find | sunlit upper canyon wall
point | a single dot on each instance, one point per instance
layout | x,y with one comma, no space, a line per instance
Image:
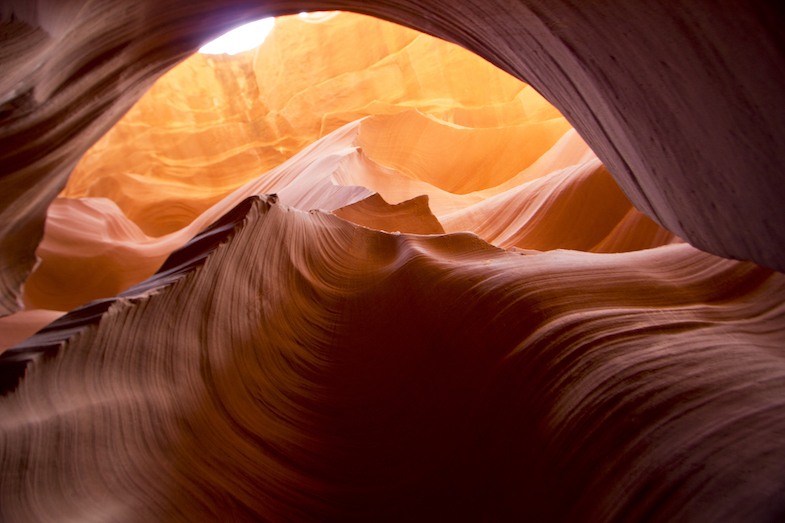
443,123
360,274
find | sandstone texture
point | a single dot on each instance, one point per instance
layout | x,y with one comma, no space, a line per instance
361,274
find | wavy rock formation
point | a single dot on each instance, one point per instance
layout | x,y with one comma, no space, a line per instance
216,122
326,371
92,250
382,281
683,102
448,125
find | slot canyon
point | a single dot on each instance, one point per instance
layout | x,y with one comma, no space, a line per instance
482,260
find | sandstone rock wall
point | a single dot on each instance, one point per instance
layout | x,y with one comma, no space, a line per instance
431,302
682,101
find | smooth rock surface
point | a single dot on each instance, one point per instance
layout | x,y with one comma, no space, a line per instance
682,101
431,302
291,366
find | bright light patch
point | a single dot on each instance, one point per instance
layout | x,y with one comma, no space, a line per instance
316,17
240,38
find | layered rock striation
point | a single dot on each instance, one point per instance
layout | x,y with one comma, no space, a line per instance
289,365
683,102
381,280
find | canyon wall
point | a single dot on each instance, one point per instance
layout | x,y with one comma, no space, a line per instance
683,102
348,277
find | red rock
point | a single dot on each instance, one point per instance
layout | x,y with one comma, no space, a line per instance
328,352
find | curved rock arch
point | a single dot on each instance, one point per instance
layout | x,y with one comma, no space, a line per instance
683,102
